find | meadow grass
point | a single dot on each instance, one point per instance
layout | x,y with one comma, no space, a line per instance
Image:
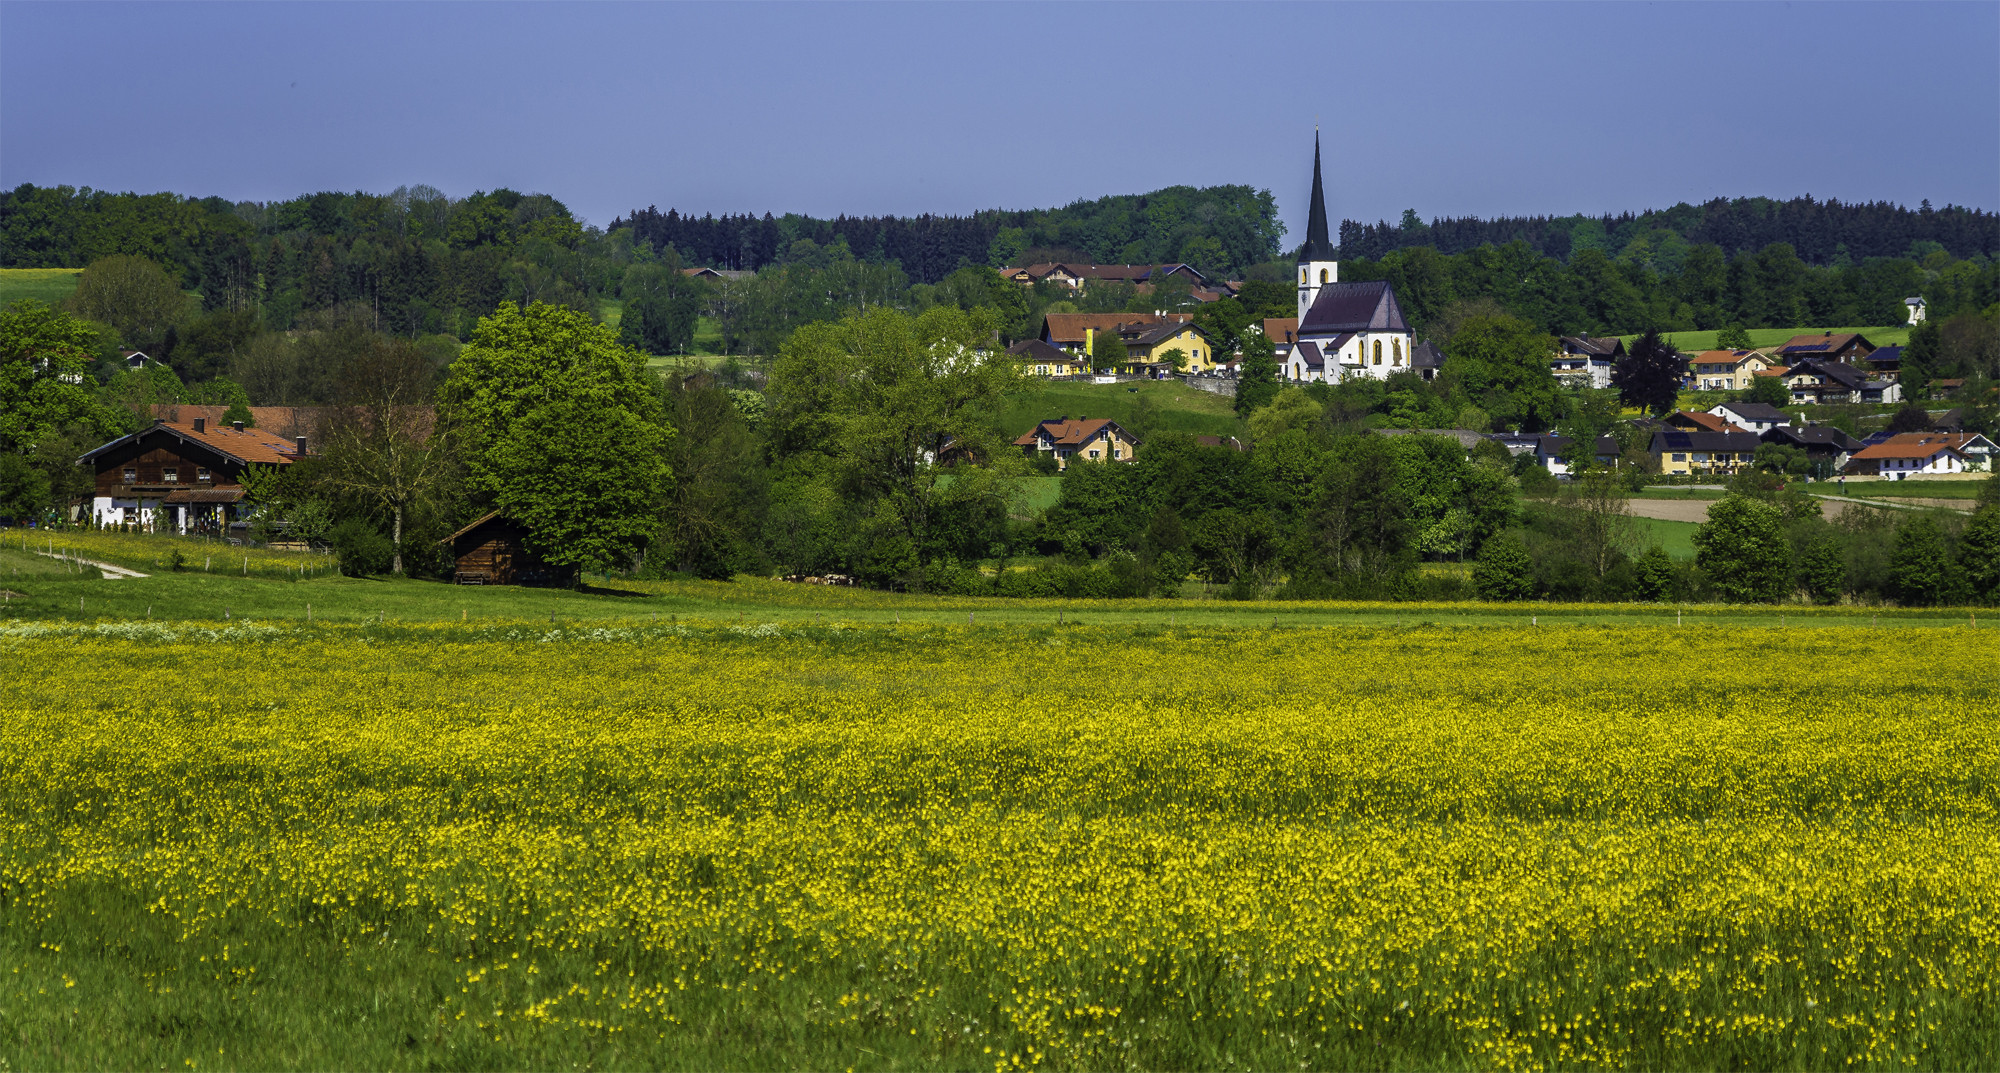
1695,342
1175,407
1096,846
1676,537
50,285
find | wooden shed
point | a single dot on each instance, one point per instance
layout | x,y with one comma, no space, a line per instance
493,551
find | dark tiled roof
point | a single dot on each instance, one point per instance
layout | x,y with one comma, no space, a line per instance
1800,346
1673,439
1355,307
1812,436
1426,355
1309,353
1839,372
1036,350
1756,411
1886,355
1611,347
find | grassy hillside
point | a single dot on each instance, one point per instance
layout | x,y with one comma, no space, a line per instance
1153,406
1693,342
1676,537
49,285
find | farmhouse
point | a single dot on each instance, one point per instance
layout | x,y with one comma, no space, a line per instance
1098,440
1679,452
1896,461
1585,361
1728,370
1847,347
181,477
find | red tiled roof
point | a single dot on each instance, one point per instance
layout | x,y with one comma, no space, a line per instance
1281,329
1892,449
1706,422
1069,327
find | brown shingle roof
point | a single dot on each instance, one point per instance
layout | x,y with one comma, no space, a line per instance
1892,449
1702,421
1065,432
1281,329
1060,328
1800,346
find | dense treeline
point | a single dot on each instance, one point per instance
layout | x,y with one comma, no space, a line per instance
1829,233
1676,287
1222,230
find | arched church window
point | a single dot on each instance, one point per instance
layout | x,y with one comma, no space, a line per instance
1322,275
1378,351
1302,276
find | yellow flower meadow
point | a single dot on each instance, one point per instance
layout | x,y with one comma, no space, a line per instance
1008,847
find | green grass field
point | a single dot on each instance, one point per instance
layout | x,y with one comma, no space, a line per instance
1676,537
1694,342
49,285
1919,489
1175,407
277,591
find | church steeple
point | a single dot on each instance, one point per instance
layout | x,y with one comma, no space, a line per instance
1317,268
1317,247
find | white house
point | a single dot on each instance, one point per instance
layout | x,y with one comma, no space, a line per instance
1758,417
1916,308
1896,461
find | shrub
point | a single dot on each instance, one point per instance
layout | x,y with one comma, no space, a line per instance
362,548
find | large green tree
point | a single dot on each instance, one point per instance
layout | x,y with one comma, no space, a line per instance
561,430
1502,364
135,296
1743,550
898,410
380,442
1257,380
45,381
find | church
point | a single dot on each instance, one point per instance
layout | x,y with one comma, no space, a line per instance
1345,329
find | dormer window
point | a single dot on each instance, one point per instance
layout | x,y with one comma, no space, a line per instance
170,475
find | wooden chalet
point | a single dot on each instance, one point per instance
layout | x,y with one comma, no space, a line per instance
175,477
493,550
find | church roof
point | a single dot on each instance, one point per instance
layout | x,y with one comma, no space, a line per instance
1317,247
1355,307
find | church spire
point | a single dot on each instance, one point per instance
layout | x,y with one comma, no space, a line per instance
1317,246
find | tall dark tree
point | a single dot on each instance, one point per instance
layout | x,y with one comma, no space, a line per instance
1257,384
1649,376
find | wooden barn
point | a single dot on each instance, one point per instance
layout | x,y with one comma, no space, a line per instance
493,551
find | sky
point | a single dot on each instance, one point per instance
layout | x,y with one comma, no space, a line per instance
1452,109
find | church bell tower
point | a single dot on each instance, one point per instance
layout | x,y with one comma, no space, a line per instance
1316,266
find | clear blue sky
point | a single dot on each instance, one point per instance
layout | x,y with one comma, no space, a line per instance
1453,109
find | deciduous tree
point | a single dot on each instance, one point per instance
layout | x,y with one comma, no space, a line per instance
1742,548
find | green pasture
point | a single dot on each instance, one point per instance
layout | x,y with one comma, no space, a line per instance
193,596
1676,537
1918,489
1692,342
49,285
1170,405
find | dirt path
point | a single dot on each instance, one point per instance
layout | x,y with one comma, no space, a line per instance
111,573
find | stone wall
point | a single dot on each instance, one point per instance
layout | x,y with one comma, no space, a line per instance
1213,384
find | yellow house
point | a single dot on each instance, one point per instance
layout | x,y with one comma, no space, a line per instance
1040,359
1146,346
1728,370
1096,440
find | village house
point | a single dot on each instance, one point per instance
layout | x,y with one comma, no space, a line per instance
1041,359
1680,453
1897,461
1696,421
177,477
1727,370
1826,446
1098,440
1816,381
1551,451
1850,348
1885,362
1758,417
1585,361
1147,338
1078,277
1916,308
1881,392
1978,450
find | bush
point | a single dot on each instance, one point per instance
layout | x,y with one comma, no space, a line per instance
362,548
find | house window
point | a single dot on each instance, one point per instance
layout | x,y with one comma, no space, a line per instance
1093,452
131,475
202,474
170,474
1680,457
